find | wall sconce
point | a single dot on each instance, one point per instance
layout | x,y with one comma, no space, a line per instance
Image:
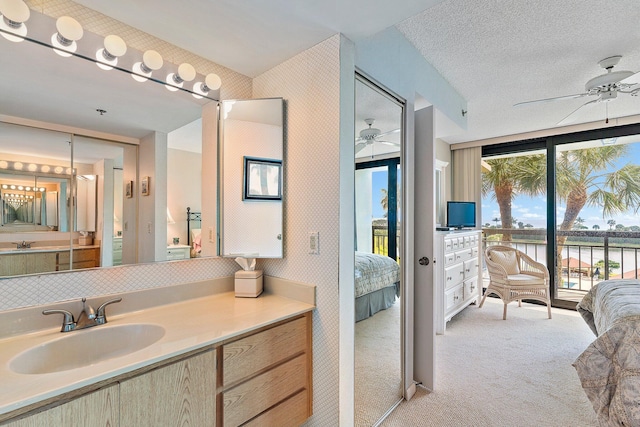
69,31
14,14
114,47
211,82
151,61
185,73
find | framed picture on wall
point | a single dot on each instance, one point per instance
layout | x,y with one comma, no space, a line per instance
128,190
145,186
262,179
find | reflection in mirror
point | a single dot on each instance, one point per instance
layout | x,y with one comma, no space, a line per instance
378,282
251,226
62,201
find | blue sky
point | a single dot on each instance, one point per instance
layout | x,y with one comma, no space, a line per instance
379,181
534,210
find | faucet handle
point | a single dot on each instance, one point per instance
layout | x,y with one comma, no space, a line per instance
68,324
101,317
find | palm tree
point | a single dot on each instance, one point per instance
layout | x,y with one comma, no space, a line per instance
611,223
384,201
596,227
510,176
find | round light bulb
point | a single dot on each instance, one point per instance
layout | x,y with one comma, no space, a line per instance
151,61
114,47
69,31
58,169
32,167
18,166
45,168
185,73
14,13
211,82
4,164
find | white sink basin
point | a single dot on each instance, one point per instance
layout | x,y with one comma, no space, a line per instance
86,347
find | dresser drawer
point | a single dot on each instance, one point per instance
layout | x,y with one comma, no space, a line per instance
449,258
463,255
453,297
471,288
448,245
253,397
453,275
471,268
292,412
245,357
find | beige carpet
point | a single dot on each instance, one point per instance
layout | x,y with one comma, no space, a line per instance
514,372
377,365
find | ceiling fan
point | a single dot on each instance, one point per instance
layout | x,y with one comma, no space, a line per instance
604,87
370,135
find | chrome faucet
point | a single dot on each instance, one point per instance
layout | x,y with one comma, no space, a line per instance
87,318
23,245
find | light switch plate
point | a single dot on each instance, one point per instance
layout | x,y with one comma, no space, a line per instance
314,242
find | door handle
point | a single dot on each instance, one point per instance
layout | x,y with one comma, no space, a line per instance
423,261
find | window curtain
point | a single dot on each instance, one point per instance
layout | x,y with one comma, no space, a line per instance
467,177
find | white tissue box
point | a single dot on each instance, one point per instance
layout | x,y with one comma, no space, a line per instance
248,284
85,240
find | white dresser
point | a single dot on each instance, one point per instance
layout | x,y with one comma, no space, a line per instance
117,250
457,264
178,252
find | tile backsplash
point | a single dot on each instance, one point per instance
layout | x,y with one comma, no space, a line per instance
26,291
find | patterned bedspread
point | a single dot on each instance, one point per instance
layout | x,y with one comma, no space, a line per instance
374,272
609,369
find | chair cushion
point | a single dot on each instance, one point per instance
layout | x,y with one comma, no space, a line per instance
522,279
507,259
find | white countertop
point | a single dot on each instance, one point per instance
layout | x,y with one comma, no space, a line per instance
189,325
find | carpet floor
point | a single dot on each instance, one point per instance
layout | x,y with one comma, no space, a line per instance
515,372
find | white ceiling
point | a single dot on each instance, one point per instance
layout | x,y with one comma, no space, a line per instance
495,53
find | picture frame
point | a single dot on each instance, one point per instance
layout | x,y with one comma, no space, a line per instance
128,189
262,179
145,186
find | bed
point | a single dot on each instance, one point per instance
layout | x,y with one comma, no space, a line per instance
194,232
609,369
377,283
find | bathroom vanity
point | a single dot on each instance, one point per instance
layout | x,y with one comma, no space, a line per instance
221,361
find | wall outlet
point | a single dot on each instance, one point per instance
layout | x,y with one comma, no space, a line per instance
211,235
314,242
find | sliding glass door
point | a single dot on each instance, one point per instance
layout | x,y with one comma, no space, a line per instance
588,184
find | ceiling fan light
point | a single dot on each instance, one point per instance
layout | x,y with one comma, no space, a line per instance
69,31
14,14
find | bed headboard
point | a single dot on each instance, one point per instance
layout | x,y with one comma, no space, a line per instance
193,222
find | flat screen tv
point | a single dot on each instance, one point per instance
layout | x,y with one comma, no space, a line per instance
461,214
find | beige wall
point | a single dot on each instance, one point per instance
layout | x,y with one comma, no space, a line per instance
310,84
184,181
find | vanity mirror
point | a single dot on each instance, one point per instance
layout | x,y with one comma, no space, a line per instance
110,126
250,180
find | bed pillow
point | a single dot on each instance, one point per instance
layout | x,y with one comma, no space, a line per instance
507,259
196,241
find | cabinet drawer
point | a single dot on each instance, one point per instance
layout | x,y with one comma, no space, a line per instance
471,268
463,255
453,297
466,242
475,251
260,393
292,412
453,275
449,258
471,288
455,243
79,255
245,357
448,245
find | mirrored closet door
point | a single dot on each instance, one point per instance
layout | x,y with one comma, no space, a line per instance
378,280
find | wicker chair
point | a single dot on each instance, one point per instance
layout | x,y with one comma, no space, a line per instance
514,276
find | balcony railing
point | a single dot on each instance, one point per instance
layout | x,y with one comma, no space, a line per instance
587,257
380,239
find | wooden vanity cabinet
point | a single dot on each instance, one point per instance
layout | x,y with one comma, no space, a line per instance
266,376
82,258
261,378
179,394
96,409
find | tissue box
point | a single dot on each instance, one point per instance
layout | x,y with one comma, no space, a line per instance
248,284
85,240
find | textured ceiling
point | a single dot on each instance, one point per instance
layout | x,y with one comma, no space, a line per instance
500,52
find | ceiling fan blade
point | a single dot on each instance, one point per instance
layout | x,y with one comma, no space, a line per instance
395,144
633,79
360,146
575,113
388,132
557,98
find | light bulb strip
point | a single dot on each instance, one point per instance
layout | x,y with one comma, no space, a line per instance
115,67
19,167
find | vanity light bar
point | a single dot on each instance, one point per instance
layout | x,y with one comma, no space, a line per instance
34,167
13,187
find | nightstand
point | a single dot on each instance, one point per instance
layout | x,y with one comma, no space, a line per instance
178,252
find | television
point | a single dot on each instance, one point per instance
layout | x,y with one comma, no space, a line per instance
461,214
